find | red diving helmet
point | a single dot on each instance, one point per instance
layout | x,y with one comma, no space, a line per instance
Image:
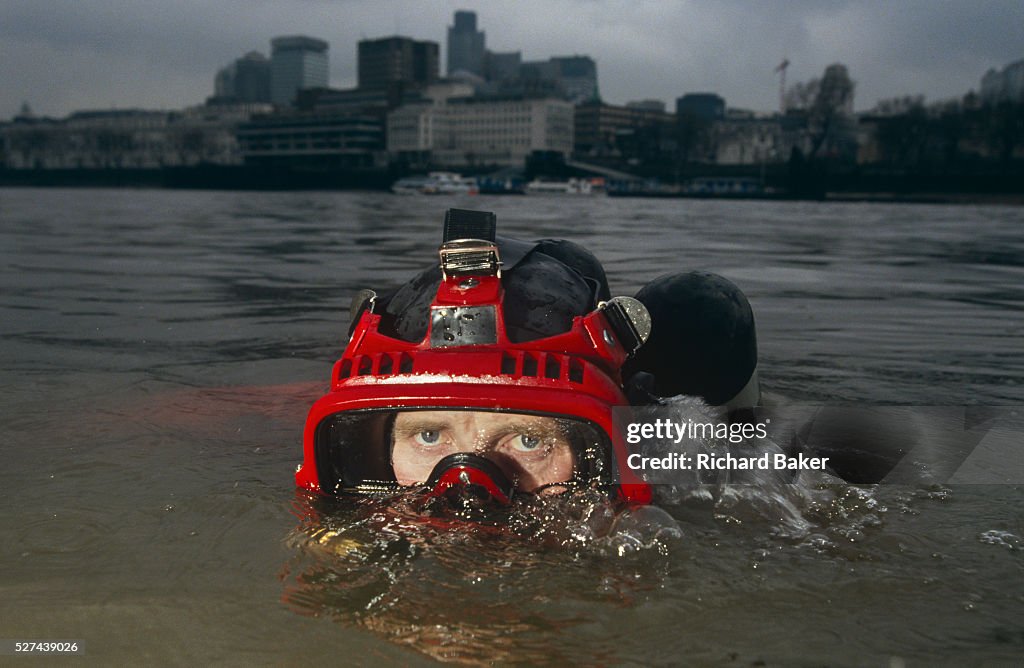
466,408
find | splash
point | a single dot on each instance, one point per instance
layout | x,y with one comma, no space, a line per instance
462,586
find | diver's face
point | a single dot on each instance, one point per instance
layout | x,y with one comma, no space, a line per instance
534,451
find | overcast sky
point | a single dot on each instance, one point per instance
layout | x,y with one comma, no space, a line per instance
65,55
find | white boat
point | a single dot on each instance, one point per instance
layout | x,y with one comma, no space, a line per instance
410,185
436,183
570,187
450,183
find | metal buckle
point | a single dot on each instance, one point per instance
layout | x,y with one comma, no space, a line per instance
462,257
629,320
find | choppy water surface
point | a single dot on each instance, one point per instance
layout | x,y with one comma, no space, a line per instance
160,349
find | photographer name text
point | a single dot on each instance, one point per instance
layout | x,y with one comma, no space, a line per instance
677,461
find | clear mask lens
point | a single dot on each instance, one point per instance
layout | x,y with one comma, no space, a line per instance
402,447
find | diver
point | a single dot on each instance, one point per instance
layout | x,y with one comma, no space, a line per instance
499,370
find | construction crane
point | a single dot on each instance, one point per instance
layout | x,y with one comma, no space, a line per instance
781,69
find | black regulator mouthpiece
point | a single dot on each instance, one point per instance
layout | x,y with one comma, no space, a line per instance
469,476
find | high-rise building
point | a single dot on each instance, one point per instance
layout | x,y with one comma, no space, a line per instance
224,83
702,106
247,80
1004,85
252,78
296,62
502,66
578,75
401,61
465,45
574,77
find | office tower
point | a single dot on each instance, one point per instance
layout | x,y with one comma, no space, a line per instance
246,80
296,62
578,76
1002,85
252,78
224,83
702,106
391,61
502,66
571,77
465,45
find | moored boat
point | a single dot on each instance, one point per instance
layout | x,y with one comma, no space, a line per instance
436,183
573,186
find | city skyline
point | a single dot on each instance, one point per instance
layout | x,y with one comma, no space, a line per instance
61,57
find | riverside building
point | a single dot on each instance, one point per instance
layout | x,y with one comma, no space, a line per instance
470,132
125,139
319,140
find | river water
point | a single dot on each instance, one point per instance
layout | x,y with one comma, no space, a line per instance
160,349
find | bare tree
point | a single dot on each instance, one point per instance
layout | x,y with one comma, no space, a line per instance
902,104
1004,129
827,103
800,95
832,105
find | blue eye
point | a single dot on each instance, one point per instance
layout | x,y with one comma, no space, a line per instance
428,437
525,443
